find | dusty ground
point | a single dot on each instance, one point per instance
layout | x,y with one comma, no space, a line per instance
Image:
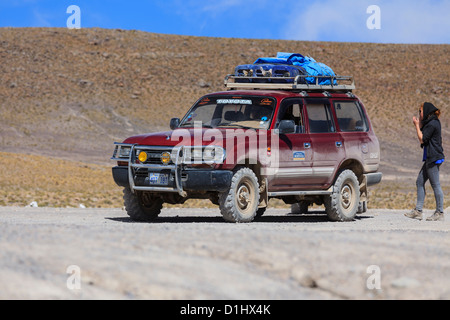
67,95
194,254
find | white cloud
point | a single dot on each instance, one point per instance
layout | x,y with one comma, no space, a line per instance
41,19
220,6
221,17
402,21
18,3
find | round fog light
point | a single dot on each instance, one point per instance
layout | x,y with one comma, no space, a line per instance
142,156
165,157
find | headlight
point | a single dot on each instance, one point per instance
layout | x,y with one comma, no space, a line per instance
198,155
209,153
121,152
124,152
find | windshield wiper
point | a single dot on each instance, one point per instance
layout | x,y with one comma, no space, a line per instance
191,125
234,125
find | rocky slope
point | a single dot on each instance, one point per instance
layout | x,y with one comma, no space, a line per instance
72,93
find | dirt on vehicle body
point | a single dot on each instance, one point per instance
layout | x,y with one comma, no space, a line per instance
300,143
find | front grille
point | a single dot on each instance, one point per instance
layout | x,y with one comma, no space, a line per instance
154,157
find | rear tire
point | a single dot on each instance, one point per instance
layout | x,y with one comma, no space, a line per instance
240,202
362,208
260,212
343,203
300,207
141,207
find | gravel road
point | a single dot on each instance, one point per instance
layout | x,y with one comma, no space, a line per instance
194,254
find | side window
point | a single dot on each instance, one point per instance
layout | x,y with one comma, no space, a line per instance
292,110
320,118
350,117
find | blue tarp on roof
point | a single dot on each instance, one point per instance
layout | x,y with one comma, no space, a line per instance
311,66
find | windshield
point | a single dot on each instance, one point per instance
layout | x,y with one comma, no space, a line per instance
231,111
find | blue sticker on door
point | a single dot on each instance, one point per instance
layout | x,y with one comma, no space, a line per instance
299,156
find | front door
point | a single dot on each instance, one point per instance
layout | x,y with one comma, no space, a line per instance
294,171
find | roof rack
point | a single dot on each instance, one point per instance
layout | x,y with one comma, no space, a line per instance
337,83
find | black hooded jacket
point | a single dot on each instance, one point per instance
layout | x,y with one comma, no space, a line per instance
431,131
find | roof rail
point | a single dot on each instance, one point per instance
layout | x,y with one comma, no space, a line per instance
336,83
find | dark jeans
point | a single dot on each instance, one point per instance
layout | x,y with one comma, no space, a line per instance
429,171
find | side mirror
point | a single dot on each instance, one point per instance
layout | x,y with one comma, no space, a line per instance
286,126
174,123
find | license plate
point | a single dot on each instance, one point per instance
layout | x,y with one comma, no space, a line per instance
158,178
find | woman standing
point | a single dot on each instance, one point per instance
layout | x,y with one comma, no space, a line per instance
428,129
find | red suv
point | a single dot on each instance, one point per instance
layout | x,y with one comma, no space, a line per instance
297,142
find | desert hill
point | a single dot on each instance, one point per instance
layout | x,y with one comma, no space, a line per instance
71,93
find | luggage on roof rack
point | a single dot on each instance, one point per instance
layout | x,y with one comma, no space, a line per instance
335,83
260,73
284,68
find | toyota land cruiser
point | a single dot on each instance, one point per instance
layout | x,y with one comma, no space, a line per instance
302,143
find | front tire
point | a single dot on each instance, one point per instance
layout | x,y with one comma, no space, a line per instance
240,202
343,203
140,206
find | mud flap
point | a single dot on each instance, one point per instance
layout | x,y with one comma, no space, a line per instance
263,194
364,196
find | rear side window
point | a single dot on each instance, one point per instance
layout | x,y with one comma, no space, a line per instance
350,117
320,118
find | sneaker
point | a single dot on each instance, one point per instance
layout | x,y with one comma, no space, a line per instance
436,216
414,214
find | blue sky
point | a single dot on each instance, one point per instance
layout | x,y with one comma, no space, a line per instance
401,21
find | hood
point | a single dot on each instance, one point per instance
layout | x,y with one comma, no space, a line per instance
428,108
157,139
182,136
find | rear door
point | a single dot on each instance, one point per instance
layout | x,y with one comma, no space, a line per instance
354,127
326,142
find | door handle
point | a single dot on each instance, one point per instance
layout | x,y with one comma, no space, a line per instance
307,145
338,144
